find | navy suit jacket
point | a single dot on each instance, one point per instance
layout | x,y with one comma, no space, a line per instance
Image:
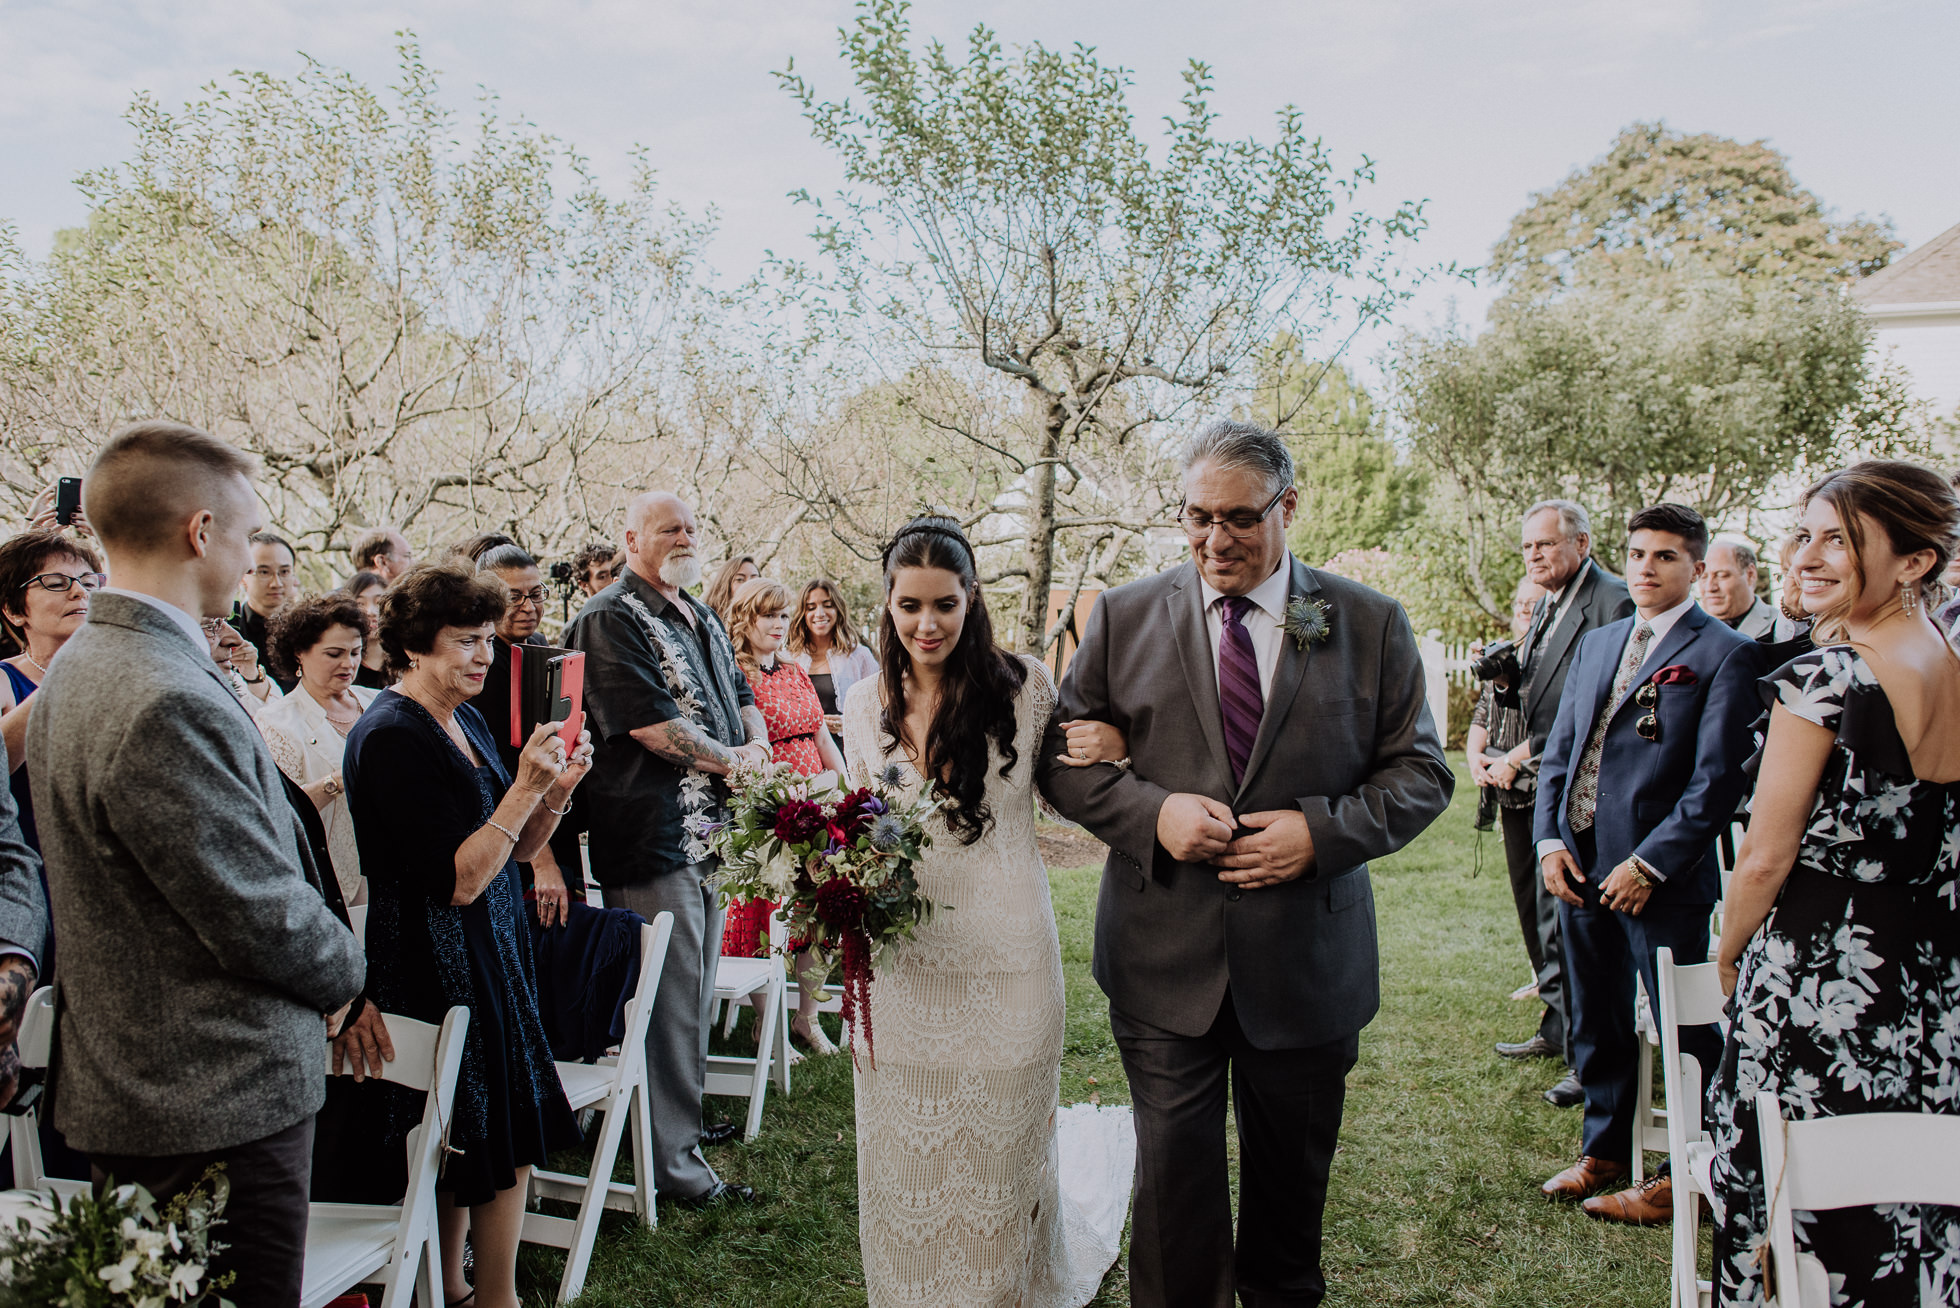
1666,800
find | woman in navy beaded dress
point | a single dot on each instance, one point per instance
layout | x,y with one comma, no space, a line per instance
441,828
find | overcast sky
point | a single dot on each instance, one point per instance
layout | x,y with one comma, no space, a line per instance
1470,104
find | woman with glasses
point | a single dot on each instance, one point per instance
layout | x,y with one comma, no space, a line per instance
523,581
45,580
318,641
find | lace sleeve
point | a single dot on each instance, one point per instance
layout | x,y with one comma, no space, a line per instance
285,752
861,754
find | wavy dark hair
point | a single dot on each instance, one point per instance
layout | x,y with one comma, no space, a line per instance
429,597
976,693
300,626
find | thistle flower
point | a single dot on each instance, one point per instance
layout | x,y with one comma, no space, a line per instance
892,774
886,831
1306,621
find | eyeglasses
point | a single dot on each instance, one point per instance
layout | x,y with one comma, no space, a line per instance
1649,726
283,574
1198,524
59,583
533,596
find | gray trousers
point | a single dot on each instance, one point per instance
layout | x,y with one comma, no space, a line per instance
1538,921
677,1036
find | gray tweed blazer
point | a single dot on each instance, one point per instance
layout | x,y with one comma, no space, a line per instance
1346,738
197,954
23,909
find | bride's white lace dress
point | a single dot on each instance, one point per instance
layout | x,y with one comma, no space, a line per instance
966,1195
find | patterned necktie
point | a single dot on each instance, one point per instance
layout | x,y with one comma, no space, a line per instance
1239,696
1585,781
1541,625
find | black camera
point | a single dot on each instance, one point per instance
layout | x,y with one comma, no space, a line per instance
1498,662
562,574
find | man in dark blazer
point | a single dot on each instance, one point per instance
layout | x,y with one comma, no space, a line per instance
1580,596
1642,772
1279,740
201,969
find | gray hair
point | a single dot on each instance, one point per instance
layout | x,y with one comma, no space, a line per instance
1745,553
1572,519
1230,444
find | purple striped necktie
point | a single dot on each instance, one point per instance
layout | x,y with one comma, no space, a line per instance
1239,697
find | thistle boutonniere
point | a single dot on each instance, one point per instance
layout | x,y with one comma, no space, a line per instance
1306,621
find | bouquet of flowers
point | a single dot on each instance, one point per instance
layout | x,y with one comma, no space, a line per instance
840,862
120,1251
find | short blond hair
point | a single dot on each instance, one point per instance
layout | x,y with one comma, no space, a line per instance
150,476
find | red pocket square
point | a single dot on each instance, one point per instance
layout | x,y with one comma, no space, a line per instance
1675,674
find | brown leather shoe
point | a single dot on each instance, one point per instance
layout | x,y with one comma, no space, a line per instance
1586,1177
1651,1203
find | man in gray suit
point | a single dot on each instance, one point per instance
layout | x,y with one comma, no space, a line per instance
1279,739
201,969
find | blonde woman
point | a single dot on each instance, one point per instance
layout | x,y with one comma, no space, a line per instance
758,623
825,644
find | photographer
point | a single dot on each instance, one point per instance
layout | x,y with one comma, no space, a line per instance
1497,726
1580,596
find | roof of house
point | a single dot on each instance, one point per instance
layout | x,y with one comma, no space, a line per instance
1929,274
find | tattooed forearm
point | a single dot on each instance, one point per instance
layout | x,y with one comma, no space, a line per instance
757,728
17,978
684,744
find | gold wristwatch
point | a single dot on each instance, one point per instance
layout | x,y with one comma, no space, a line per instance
1638,871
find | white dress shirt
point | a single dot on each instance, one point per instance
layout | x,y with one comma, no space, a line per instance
1661,624
1264,621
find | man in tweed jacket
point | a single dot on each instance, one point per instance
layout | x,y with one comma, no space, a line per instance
200,967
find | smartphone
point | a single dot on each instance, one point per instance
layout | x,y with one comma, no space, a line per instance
67,500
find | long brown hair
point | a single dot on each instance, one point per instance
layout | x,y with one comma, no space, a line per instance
1914,506
721,587
977,692
843,636
763,595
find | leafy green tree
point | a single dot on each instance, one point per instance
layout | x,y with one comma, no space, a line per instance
1666,201
1716,394
1357,490
1004,220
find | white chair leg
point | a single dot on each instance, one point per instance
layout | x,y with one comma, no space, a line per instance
783,1049
1643,1104
585,1229
766,1021
640,1117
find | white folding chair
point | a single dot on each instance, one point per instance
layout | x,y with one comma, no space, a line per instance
1649,1122
24,1131
395,1245
759,983
357,921
616,1087
1691,995
1839,1162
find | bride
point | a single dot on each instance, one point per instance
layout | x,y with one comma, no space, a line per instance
972,1189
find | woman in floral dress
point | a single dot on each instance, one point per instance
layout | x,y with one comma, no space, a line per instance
1847,999
758,623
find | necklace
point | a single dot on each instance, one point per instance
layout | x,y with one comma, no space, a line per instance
36,662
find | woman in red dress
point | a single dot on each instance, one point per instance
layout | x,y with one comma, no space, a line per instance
758,623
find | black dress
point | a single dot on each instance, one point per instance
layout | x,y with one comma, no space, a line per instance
415,799
1849,997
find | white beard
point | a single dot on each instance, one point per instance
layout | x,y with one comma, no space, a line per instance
680,571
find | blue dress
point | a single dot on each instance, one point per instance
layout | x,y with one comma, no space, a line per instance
415,798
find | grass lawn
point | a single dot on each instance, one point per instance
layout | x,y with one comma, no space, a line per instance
1435,1189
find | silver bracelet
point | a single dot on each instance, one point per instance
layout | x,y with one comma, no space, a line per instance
508,833
555,812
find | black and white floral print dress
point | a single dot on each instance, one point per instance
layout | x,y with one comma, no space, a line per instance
1848,999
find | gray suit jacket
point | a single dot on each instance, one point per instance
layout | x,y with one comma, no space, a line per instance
23,908
1602,598
197,953
1346,738
1758,622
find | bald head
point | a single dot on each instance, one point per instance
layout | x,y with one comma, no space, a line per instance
660,540
152,478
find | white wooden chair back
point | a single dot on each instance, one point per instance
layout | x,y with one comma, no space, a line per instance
353,1244
617,1088
1837,1162
1691,995
36,1049
357,921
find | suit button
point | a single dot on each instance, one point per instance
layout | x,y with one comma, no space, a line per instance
1236,895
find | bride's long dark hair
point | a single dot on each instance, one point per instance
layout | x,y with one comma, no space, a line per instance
976,691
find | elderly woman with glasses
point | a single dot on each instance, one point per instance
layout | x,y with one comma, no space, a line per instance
523,582
46,577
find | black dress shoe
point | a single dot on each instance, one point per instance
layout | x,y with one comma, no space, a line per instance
1567,1093
722,1195
1536,1047
720,1133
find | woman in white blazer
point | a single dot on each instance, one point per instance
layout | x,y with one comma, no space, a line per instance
825,643
318,640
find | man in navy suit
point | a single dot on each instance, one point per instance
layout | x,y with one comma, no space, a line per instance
1642,772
